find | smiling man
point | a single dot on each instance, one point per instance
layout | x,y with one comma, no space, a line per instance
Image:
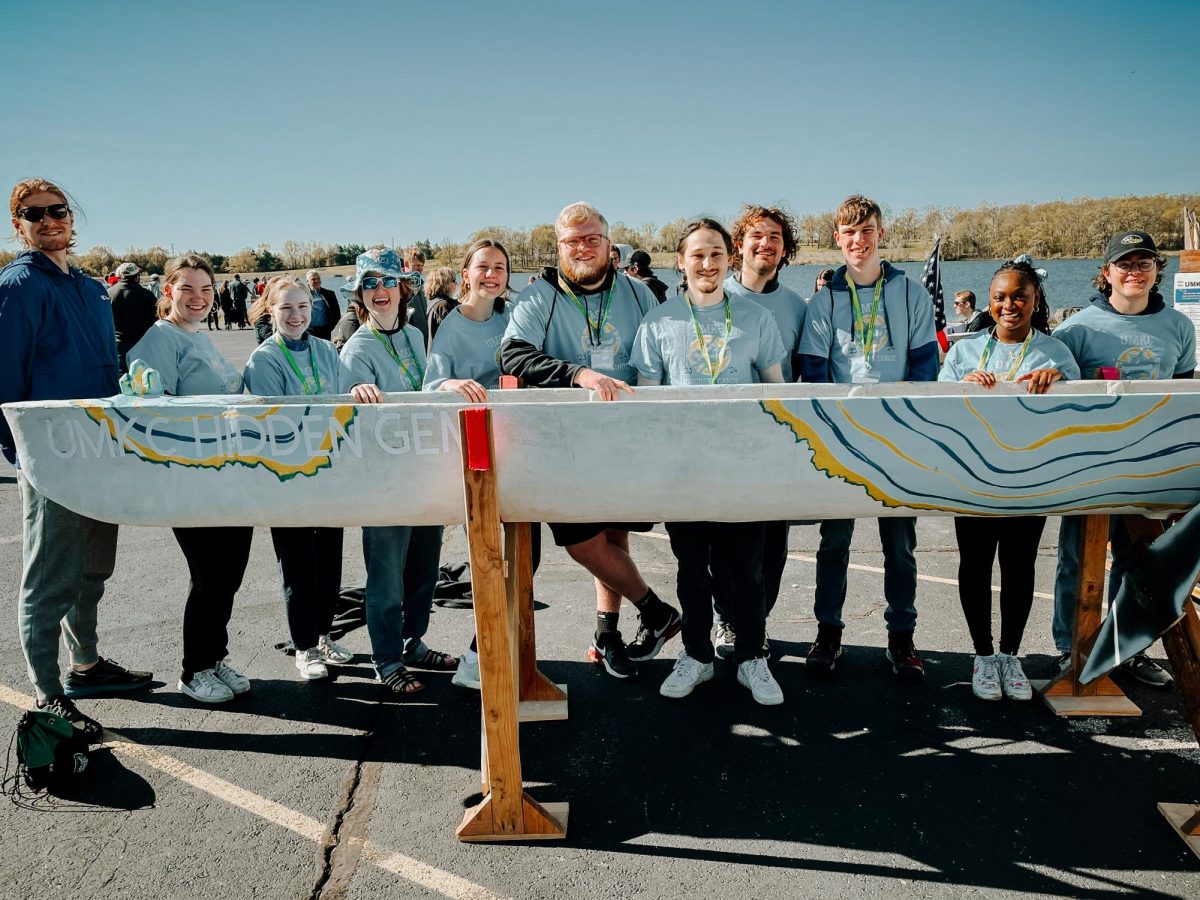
870,324
57,342
574,327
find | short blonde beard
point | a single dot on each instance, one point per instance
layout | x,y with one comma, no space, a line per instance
585,273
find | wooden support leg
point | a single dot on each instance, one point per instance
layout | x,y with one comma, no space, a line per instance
1065,695
1182,643
540,698
506,811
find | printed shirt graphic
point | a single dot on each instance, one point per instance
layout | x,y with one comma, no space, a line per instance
667,350
789,310
1044,352
1154,346
566,335
269,374
365,360
187,361
464,348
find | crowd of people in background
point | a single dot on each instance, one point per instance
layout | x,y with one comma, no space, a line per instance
600,320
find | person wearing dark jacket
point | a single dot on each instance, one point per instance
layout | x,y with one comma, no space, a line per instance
974,320
134,310
239,292
574,326
325,309
57,342
639,268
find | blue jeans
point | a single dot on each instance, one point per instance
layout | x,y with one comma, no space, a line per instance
402,572
1066,574
899,539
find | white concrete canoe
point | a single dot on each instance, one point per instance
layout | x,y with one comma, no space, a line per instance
734,453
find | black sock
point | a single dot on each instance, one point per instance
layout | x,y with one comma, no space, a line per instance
606,622
653,611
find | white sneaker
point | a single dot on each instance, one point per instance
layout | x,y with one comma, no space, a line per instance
206,687
310,665
233,679
756,675
1012,678
725,639
467,673
985,678
332,652
685,676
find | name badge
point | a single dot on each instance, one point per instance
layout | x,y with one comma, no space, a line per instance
603,358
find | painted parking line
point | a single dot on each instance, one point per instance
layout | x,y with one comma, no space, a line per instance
857,567
445,883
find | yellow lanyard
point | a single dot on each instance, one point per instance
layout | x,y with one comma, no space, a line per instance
713,370
1016,366
415,382
860,326
605,305
312,360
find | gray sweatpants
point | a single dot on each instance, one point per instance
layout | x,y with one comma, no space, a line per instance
67,558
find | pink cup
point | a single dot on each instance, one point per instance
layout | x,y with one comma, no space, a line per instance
1110,373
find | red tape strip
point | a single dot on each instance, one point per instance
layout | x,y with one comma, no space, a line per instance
478,455
508,382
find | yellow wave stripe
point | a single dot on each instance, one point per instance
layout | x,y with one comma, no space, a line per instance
141,406
1069,431
344,415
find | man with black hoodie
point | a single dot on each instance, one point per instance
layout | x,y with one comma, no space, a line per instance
573,327
134,310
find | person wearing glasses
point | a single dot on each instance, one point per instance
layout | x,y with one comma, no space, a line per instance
57,342
1128,332
710,335
388,354
973,320
574,326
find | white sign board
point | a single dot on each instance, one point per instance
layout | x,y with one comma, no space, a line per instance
1187,298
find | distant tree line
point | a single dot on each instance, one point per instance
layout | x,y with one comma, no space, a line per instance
1066,228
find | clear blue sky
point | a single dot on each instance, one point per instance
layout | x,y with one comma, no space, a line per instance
229,124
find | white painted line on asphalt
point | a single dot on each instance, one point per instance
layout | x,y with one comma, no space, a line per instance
427,876
857,567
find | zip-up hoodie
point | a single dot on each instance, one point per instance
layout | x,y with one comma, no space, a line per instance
904,344
56,336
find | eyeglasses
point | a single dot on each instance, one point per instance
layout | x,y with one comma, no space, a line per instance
370,282
1135,265
58,211
592,241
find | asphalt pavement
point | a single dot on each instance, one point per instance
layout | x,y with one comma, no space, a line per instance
855,786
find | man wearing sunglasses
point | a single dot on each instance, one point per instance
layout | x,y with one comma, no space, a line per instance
573,326
57,342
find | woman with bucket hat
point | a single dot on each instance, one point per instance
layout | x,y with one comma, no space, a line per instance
388,354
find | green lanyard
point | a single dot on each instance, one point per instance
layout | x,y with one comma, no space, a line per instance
605,305
987,352
312,359
713,371
415,382
860,326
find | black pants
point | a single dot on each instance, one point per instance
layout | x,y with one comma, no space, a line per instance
978,540
216,559
729,552
774,558
310,568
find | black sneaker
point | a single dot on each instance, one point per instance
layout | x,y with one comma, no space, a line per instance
65,709
902,654
1147,671
609,649
104,677
649,641
825,650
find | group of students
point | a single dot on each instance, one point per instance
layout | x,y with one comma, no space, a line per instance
584,323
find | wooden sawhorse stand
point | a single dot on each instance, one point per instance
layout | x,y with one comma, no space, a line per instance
1064,694
1182,643
512,688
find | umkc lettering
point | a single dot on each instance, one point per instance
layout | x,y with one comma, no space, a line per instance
235,436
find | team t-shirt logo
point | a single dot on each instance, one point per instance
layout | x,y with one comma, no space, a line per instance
610,338
718,353
1138,363
880,340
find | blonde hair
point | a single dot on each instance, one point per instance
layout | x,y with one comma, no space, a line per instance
575,213
174,270
29,187
275,288
439,283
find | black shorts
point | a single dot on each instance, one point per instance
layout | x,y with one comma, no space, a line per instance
567,534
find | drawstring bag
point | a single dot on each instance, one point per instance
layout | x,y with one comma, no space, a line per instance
50,752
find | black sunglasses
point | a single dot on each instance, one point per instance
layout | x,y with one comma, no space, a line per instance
370,282
58,211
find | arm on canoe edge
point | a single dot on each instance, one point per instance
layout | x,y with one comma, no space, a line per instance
534,367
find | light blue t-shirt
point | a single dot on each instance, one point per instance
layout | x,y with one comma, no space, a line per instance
464,348
1154,345
668,351
366,360
545,318
789,309
187,361
904,322
1044,353
270,374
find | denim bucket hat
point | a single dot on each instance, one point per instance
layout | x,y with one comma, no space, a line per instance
380,261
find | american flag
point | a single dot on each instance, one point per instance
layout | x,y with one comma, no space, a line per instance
931,280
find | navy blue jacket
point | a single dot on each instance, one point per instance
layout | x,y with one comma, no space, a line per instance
56,336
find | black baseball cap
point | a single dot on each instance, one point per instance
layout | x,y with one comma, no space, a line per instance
640,258
1129,242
